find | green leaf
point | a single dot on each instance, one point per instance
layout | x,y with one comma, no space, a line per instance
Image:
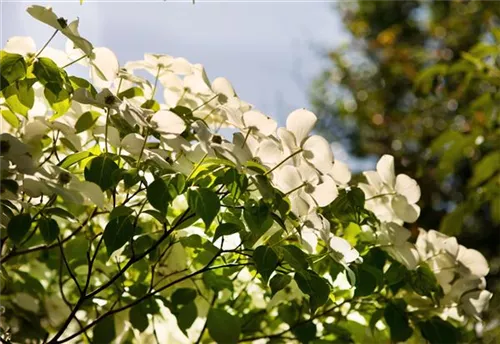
279,282
305,332
295,257
183,296
48,74
424,282
62,213
266,261
131,93
223,327
86,121
495,210
226,229
13,67
49,229
20,97
78,83
379,313
158,196
452,223
60,101
176,185
258,217
11,118
186,316
74,158
118,232
151,104
138,317
397,320
217,282
264,185
205,204
438,331
485,168
313,285
121,210
351,233
104,331
10,185
367,280
100,170
236,183
18,227
396,273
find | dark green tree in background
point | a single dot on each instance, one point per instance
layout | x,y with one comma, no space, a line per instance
421,80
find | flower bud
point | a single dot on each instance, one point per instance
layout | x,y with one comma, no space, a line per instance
64,178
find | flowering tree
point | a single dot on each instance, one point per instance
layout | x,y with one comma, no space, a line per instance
127,218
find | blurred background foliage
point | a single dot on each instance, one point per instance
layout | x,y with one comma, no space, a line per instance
421,80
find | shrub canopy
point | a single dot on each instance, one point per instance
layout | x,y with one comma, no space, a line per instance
127,217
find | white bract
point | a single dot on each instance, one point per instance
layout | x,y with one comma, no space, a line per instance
392,198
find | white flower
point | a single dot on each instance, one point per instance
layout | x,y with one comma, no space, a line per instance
392,198
394,240
340,172
104,67
161,65
255,121
305,188
341,246
13,150
296,140
475,302
460,271
168,124
26,46
52,179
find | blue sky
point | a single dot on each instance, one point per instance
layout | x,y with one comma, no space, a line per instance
270,51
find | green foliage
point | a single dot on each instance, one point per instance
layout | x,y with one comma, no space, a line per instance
265,260
13,68
436,330
223,327
205,204
313,285
102,170
424,88
124,219
18,227
397,320
118,231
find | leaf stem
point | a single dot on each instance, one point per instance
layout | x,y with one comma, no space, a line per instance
284,160
156,82
47,43
74,61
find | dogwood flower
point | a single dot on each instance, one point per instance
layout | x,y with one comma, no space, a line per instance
26,46
306,190
393,238
17,153
392,198
253,122
168,124
475,302
460,271
160,65
52,179
296,140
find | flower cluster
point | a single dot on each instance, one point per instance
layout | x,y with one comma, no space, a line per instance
280,198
